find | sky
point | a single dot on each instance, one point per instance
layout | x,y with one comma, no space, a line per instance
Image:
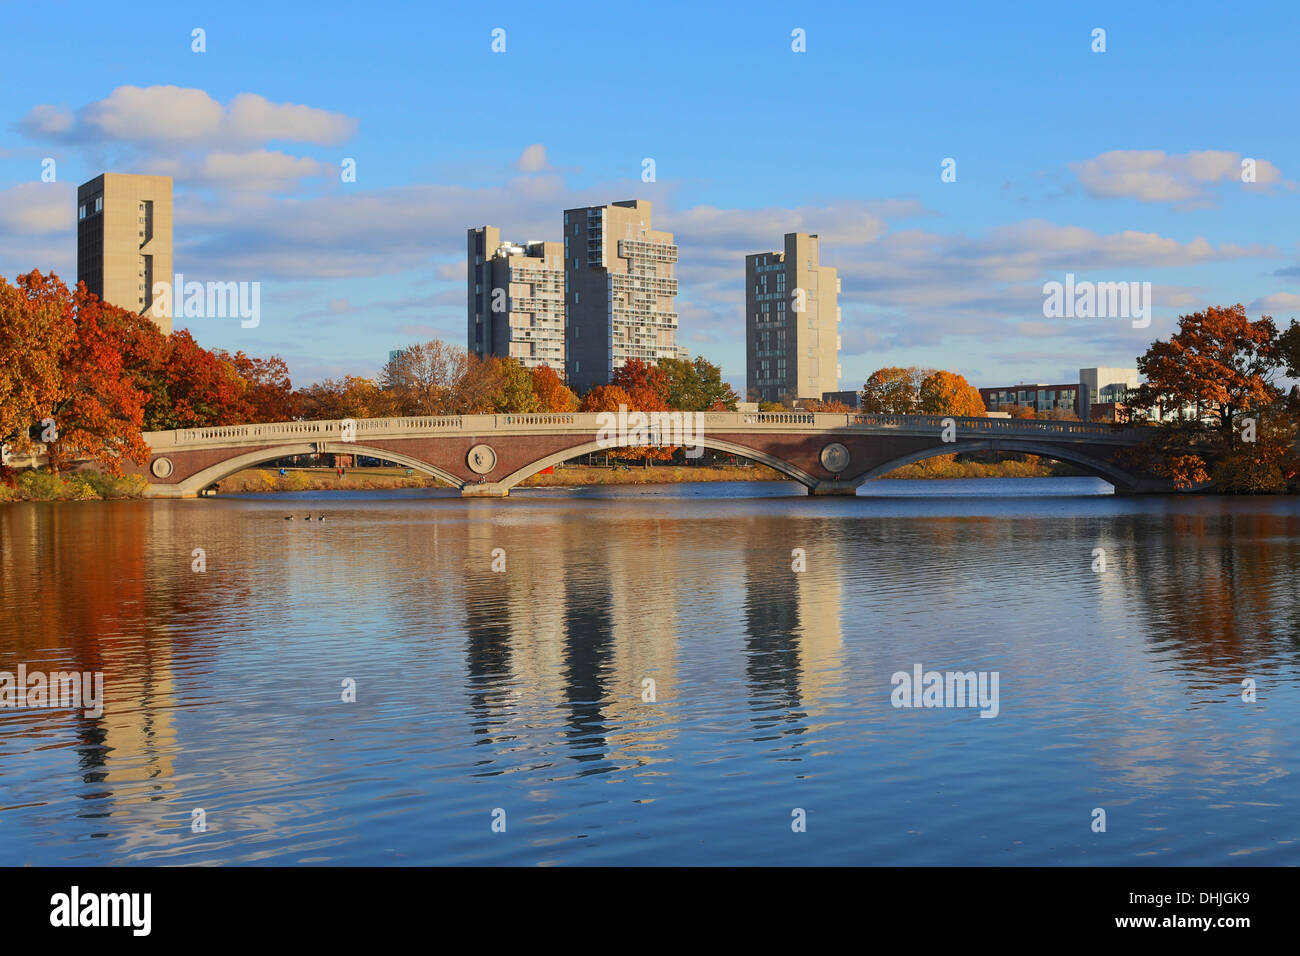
1122,165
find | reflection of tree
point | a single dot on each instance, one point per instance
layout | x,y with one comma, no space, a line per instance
1219,589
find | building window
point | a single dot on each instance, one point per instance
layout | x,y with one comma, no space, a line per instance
81,212
99,204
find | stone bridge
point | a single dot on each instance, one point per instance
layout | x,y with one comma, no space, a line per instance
828,453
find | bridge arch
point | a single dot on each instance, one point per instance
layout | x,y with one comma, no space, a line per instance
730,448
1121,479
224,469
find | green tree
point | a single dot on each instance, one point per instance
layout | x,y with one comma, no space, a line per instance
697,385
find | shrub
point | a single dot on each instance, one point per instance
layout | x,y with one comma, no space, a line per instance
109,486
295,481
40,486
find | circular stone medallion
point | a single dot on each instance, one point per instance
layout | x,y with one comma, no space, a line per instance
835,458
481,459
161,467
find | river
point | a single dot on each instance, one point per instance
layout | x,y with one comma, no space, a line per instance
501,654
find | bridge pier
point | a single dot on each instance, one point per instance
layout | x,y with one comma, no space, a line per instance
832,488
485,489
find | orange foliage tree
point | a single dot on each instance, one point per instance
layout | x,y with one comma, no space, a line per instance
35,330
98,412
947,393
552,394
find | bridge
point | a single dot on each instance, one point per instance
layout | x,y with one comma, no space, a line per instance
487,455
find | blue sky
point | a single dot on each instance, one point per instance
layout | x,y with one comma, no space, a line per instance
1121,165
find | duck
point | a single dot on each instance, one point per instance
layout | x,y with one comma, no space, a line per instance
288,517
308,518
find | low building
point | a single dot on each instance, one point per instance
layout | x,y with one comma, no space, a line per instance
851,398
1040,397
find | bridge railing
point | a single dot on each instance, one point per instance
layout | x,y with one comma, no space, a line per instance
971,423
333,430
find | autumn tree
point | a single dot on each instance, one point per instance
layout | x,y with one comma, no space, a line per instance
98,412
1218,412
947,393
35,331
423,379
605,398
268,394
894,391
1218,361
646,385
552,394
349,397
495,386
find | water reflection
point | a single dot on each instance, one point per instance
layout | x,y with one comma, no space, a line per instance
531,686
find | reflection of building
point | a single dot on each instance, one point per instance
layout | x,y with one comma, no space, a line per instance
793,631
619,290
124,240
791,309
516,299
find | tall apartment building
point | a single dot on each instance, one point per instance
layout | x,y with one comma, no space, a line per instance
792,341
516,299
619,290
124,241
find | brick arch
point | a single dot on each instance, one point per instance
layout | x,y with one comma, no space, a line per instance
731,448
195,483
1122,480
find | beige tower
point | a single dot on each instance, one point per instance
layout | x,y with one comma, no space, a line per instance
516,299
619,291
124,240
792,341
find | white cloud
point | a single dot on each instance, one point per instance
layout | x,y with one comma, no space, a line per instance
265,170
37,209
188,117
532,159
1152,175
1277,305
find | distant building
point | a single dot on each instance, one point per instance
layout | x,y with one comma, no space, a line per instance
516,299
124,241
1041,398
619,286
791,313
1100,386
1104,386
851,398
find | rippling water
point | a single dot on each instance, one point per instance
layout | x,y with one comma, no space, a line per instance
523,691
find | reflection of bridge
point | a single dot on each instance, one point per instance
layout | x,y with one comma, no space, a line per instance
490,454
